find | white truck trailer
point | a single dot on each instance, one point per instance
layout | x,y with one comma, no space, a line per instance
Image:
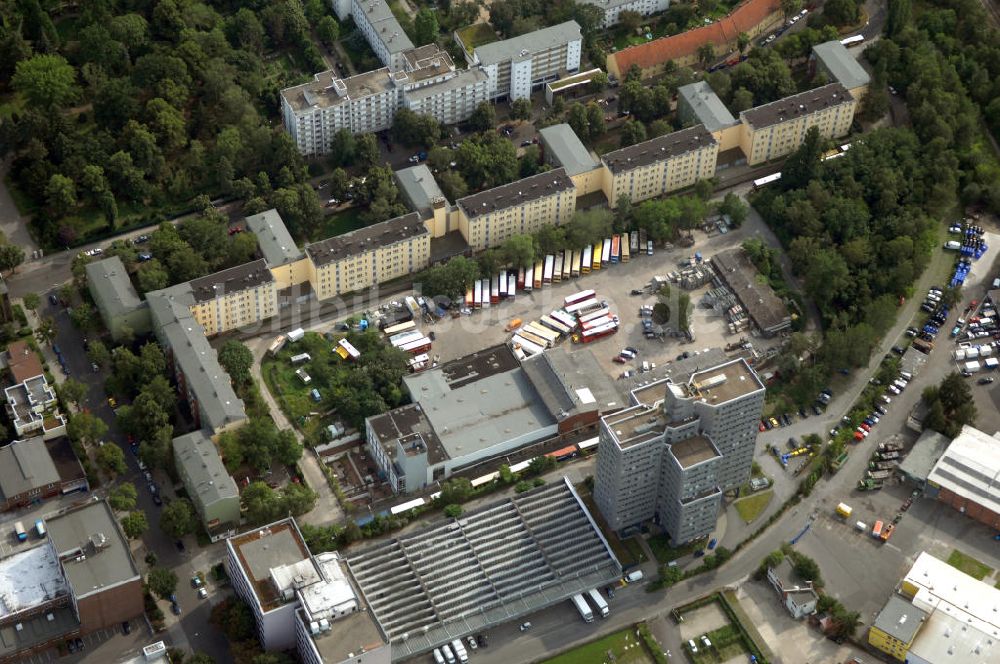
583,608
599,602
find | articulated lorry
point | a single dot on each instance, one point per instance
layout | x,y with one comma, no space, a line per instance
599,602
583,608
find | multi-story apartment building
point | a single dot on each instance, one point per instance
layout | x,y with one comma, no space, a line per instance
833,59
123,312
660,165
200,379
310,603
426,82
612,9
369,256
237,297
36,469
515,66
30,402
673,454
561,147
776,129
697,104
381,29
490,217
208,484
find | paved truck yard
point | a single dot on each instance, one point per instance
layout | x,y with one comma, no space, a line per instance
457,337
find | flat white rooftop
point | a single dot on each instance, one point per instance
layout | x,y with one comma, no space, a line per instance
28,579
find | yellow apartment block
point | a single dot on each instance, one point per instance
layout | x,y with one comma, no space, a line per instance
661,165
490,217
562,148
232,298
776,129
292,274
369,256
896,627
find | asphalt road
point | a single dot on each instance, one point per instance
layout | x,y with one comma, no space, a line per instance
190,630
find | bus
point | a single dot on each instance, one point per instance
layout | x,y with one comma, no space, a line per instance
853,41
417,346
577,307
563,453
393,330
574,266
766,180
588,336
526,333
600,321
517,341
520,278
877,529
585,260
22,534
557,267
511,285
555,324
470,299
606,251
563,318
495,289
478,296
634,242
594,315
347,350
589,443
503,283
407,506
616,248
536,328
598,249
405,338
537,281
568,264
550,264
486,291
579,297
625,249
529,278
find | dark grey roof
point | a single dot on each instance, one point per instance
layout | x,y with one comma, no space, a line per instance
419,188
563,146
841,64
900,619
493,565
407,424
177,329
706,106
572,383
209,480
111,287
764,307
517,193
528,44
926,452
798,105
92,532
366,239
26,465
275,242
659,149
233,280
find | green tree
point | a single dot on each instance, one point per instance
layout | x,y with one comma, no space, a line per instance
742,100
841,12
595,120
123,497
790,8
411,128
801,166
297,499
453,511
262,503
86,428
598,82
98,353
706,54
162,582
632,133
72,390
520,109
366,149
47,81
742,41
11,256
734,206
135,524
519,251
425,26
178,518
899,16
237,360
60,194
328,31
630,20
111,458
32,301
453,185
484,118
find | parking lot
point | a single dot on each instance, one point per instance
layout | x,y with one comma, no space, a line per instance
456,337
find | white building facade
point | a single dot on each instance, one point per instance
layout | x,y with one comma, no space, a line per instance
612,9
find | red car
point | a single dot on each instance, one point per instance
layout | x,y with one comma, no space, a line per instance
858,436
865,426
619,359
235,229
761,427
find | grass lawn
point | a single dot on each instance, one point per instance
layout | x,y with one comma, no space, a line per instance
969,565
665,553
338,223
476,34
625,645
361,54
727,644
288,388
751,507
628,551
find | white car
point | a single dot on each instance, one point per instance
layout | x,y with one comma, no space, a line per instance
692,645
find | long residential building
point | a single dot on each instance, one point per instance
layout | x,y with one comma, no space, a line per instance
660,165
121,309
778,128
377,23
212,491
611,9
752,17
368,256
237,297
685,441
490,217
517,65
425,81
